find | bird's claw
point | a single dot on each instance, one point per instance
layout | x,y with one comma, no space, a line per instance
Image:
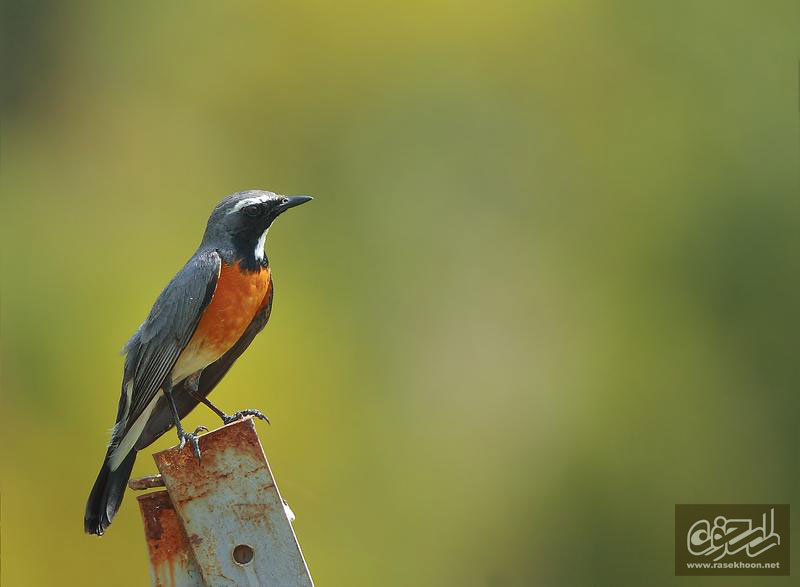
243,414
192,439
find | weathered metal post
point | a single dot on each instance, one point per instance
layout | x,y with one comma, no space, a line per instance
221,521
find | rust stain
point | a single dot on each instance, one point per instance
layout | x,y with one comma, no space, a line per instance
146,482
231,456
152,506
167,544
258,514
239,437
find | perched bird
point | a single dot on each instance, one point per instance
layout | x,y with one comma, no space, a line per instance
203,320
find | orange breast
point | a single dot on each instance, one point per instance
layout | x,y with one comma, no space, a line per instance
238,297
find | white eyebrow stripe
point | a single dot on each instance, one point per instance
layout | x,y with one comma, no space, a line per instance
247,202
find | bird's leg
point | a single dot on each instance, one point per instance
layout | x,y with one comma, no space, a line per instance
193,384
183,436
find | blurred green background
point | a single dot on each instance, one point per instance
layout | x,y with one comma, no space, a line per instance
548,287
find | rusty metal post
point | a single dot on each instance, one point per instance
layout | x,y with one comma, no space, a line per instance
223,517
172,563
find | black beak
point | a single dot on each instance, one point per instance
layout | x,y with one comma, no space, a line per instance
291,202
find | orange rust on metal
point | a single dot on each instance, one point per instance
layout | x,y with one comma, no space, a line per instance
172,563
194,475
227,499
237,436
146,482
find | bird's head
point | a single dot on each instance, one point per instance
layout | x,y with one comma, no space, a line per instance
241,220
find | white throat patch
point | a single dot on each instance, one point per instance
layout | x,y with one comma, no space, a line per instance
259,252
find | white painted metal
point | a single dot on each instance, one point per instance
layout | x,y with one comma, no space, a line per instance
230,499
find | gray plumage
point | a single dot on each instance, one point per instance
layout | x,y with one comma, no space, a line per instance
235,233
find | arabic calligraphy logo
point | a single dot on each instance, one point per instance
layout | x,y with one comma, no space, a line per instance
728,537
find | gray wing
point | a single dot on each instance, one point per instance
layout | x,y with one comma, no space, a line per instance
154,349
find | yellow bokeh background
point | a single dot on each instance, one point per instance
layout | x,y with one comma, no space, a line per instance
547,288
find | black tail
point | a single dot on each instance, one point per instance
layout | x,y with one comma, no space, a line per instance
107,493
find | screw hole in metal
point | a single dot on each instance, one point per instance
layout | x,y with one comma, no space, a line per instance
243,554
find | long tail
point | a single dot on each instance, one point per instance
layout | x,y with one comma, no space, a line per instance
107,493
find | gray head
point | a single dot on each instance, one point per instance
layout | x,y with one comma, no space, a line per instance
238,225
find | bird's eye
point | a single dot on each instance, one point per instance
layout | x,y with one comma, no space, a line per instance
284,200
252,210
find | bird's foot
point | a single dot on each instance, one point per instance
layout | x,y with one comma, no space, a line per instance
193,439
243,414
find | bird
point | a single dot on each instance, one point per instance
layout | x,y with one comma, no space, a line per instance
202,321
